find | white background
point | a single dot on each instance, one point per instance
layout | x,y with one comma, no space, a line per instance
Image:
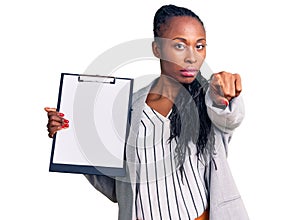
41,39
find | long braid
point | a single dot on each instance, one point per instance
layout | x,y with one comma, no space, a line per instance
189,121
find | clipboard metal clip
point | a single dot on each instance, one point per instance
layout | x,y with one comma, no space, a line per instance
97,79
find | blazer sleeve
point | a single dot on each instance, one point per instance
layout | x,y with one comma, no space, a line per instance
226,119
104,184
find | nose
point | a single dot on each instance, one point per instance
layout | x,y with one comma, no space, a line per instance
190,56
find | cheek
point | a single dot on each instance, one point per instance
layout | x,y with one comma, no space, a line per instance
170,65
202,54
201,57
173,57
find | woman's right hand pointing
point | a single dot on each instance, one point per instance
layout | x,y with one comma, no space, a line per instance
56,121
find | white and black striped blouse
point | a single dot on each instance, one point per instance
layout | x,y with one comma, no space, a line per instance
162,192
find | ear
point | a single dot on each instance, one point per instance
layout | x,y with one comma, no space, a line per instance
156,49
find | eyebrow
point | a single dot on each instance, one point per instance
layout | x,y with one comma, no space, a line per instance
184,40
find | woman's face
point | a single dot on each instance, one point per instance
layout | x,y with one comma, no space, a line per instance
182,48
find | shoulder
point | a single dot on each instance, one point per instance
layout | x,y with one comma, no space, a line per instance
139,97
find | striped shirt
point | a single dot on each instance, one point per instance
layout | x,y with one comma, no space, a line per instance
162,192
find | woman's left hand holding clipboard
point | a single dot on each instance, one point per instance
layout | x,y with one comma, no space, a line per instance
56,121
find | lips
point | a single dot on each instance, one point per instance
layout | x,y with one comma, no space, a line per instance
189,72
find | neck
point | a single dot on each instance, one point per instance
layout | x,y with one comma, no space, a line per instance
166,87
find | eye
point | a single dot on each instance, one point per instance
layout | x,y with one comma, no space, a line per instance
180,46
200,46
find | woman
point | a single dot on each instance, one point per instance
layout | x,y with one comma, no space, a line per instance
180,129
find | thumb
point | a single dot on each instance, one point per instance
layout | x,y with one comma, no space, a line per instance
48,109
218,99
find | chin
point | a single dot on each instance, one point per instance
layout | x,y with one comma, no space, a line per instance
186,80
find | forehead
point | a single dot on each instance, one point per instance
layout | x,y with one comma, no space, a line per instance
182,26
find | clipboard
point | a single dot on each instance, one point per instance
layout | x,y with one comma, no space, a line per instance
98,109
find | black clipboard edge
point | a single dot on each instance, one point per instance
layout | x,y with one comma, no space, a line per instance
83,169
57,108
129,117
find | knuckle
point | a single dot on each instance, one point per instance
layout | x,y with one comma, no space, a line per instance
228,75
54,118
50,113
52,123
224,73
224,76
216,76
228,93
237,93
51,118
237,75
51,134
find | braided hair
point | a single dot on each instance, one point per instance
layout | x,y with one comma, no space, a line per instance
166,12
189,120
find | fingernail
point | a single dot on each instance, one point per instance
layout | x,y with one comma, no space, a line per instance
66,121
61,114
66,125
225,102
